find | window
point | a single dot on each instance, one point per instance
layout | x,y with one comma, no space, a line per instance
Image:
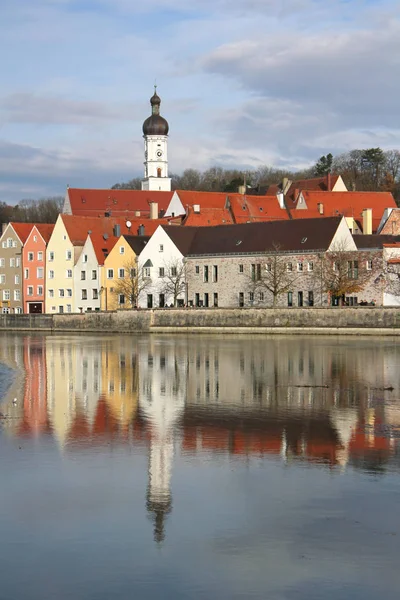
18,262
122,249
69,292
4,244
84,294
94,274
17,295
121,273
197,270
215,273
2,262
268,267
61,309
369,265
300,267
352,269
241,269
161,272
18,310
26,273
51,256
83,275
251,296
310,298
335,266
133,273
12,262
30,256
173,271
40,272
2,279
146,272
69,308
197,299
205,273
95,295
35,238
121,299
215,299
289,267
14,244
110,273
69,255
241,299
300,298
51,293
40,256
261,298
290,298
310,266
256,272
69,273
6,294
40,290
9,243
161,248
16,279
61,293
85,258
51,274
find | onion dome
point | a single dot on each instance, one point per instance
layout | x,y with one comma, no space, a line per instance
155,124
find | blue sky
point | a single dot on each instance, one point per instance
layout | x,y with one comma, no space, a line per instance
243,83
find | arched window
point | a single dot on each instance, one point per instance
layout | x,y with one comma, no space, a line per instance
159,172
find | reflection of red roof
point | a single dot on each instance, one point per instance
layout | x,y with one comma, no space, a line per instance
121,203
348,204
78,227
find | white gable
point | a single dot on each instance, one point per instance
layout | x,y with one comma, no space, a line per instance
342,240
175,207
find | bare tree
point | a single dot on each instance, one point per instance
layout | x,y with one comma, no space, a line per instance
343,272
173,280
133,284
274,273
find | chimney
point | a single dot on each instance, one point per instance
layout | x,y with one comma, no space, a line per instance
137,213
153,210
320,208
367,221
281,199
328,182
196,208
117,231
140,230
242,189
286,183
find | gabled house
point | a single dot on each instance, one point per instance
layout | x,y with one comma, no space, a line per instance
11,288
291,189
120,271
34,267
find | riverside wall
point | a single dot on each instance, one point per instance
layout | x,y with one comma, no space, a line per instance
348,320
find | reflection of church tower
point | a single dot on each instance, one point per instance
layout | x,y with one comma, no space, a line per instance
161,402
155,133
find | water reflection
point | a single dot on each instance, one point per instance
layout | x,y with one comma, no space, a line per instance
315,401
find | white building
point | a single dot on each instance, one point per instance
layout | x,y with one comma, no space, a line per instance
155,133
87,279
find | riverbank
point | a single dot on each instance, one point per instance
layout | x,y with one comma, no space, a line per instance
349,321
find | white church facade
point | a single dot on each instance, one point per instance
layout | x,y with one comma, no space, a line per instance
155,133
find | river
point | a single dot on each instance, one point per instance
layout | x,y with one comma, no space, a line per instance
198,466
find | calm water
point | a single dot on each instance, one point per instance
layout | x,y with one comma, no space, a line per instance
199,467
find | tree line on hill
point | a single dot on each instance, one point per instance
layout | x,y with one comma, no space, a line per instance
371,169
45,210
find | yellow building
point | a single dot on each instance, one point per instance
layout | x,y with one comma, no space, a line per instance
119,274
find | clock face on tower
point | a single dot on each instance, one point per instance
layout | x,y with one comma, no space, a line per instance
159,153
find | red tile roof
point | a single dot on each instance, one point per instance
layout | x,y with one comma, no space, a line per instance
22,230
102,247
45,230
78,227
121,203
315,184
204,199
257,208
208,217
348,204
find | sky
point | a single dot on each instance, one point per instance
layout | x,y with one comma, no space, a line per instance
243,83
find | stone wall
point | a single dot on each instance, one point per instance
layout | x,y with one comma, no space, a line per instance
281,320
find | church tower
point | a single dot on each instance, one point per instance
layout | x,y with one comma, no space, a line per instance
155,133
